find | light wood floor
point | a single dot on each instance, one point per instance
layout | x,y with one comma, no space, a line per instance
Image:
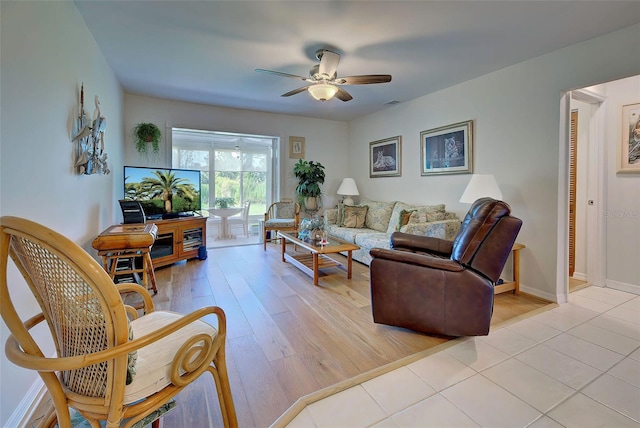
287,338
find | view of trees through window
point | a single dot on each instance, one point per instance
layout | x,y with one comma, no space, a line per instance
229,169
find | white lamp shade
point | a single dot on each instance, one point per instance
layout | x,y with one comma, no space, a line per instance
481,186
348,188
322,91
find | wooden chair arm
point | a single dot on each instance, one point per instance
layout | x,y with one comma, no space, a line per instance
16,355
140,290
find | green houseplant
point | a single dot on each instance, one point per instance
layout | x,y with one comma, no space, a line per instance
224,202
146,134
310,176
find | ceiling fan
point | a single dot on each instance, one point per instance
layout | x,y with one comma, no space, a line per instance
323,81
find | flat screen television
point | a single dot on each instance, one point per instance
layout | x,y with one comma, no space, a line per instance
163,192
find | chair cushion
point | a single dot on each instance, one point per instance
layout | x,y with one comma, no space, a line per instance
154,361
285,210
275,223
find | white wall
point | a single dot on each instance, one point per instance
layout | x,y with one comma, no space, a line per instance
47,52
623,194
516,113
325,140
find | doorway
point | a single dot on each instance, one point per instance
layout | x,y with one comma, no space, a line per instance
239,176
586,163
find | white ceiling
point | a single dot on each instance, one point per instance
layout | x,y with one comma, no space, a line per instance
207,51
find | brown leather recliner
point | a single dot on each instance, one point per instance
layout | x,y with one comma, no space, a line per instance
444,287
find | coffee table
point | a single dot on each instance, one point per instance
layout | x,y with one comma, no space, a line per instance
316,259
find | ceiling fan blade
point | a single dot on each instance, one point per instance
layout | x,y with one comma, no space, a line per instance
363,80
295,91
343,95
328,63
278,73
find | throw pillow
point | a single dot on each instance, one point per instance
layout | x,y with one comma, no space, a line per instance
131,361
405,215
354,216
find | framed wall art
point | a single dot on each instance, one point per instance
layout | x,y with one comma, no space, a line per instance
629,150
296,147
385,157
447,150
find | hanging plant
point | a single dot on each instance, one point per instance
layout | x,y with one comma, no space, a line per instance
147,134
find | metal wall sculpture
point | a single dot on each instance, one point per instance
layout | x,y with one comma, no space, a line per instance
89,140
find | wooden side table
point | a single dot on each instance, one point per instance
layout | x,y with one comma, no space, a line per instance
515,284
127,242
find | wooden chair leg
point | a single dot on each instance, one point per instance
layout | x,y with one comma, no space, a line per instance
264,238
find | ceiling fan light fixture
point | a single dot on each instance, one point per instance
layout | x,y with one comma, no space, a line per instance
322,91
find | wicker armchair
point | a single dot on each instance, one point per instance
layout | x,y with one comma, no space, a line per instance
283,215
98,348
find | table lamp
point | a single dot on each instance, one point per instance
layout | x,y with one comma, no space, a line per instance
348,188
481,186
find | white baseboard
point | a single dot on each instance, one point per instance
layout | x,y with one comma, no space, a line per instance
579,276
623,286
543,295
28,405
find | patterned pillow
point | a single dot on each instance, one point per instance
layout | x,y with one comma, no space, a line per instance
405,215
354,216
131,361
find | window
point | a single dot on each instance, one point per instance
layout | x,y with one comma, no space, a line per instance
234,166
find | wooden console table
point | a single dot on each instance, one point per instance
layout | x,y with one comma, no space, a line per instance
515,284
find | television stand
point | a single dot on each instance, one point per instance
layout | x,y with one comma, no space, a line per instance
178,239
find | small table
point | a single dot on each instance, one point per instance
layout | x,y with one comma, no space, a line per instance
128,242
316,259
223,213
515,284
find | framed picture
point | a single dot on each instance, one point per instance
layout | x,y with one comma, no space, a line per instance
447,150
296,147
385,157
629,152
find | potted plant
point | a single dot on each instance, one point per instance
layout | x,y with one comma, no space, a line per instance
224,202
146,134
310,176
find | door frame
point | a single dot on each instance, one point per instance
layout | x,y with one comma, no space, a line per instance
596,185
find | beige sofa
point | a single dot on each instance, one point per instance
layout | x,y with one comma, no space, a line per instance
384,218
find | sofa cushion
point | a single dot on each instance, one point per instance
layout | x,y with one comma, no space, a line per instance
424,216
347,234
401,206
373,240
354,216
331,216
378,214
445,229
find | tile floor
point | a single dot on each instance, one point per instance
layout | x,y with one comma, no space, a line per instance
577,365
